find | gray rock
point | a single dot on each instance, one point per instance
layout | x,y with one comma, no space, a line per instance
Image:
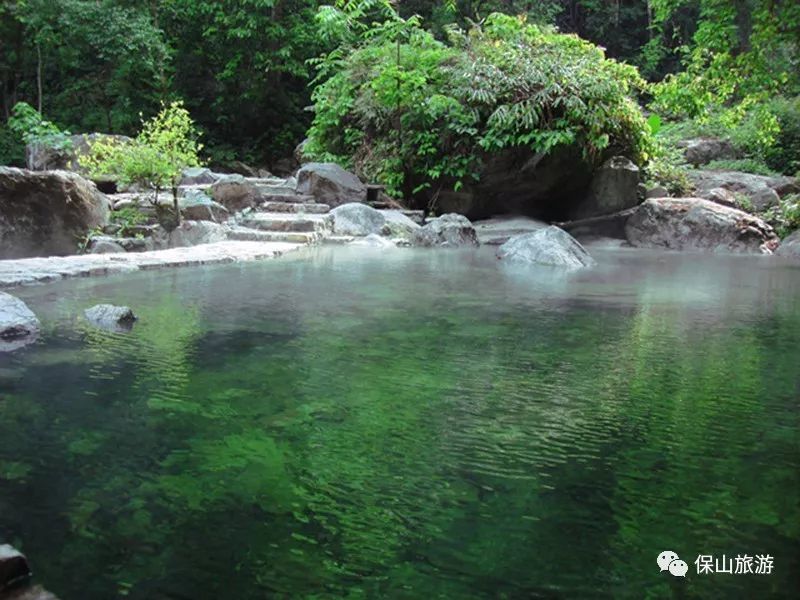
720,196
614,187
300,153
448,230
497,230
742,183
14,566
104,246
355,218
698,224
110,317
398,225
790,246
32,592
702,151
764,199
199,176
44,213
18,325
195,205
240,168
193,233
330,184
235,193
40,157
657,191
549,246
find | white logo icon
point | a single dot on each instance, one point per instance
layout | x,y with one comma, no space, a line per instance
669,561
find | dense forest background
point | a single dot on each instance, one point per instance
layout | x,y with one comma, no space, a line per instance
244,68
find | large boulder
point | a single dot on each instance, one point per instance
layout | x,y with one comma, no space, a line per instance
448,230
18,325
14,567
235,193
330,184
355,218
498,230
194,233
747,184
47,213
698,224
199,176
701,151
41,157
790,246
110,317
614,187
398,225
196,206
549,246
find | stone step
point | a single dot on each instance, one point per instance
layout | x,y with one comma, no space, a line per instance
274,221
245,234
296,198
275,190
296,207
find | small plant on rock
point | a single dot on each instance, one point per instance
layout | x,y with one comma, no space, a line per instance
165,146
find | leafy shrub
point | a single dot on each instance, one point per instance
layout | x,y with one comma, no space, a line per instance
785,217
165,146
415,113
784,154
30,127
127,219
668,169
747,165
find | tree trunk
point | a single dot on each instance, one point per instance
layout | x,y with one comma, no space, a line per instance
175,206
39,74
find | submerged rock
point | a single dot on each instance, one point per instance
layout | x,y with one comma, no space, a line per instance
550,246
330,184
18,325
448,230
14,566
790,246
47,213
698,224
108,316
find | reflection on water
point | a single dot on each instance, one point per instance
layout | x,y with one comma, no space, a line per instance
409,424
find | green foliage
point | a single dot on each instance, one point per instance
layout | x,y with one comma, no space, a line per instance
166,144
127,219
30,127
785,217
415,113
747,165
668,169
784,154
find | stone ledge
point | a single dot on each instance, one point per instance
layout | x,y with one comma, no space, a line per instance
28,271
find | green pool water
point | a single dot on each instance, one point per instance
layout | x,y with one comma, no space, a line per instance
349,423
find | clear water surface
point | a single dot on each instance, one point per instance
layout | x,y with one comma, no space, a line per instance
409,424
